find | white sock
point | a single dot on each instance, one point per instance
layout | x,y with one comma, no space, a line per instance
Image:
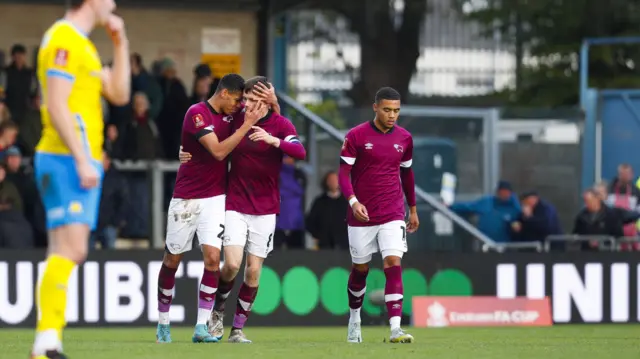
355,316
394,322
203,316
46,340
163,318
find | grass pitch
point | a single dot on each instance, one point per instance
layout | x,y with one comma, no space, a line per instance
566,342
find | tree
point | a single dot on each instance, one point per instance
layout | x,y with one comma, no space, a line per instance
550,33
389,41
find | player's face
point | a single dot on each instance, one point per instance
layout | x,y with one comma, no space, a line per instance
387,112
103,9
232,102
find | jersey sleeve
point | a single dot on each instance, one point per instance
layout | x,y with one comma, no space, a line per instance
407,156
289,142
348,152
62,54
195,125
288,132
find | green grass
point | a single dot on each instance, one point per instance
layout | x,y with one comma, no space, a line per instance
566,342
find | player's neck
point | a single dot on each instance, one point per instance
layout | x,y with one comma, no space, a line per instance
214,104
379,126
83,19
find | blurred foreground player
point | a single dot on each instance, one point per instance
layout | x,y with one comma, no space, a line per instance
253,201
375,170
198,202
67,162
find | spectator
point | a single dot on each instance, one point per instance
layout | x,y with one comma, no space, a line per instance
598,219
141,138
326,220
113,204
142,81
175,104
5,114
290,224
22,178
201,86
204,71
113,142
15,231
538,219
19,83
495,212
8,134
602,189
624,194
30,129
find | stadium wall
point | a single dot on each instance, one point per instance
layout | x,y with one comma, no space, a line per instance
154,33
309,288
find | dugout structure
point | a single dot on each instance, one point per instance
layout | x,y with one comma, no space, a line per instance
611,133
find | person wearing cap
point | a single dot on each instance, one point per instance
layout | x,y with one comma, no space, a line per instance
495,212
538,219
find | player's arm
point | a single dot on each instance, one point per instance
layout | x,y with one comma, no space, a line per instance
116,82
347,160
287,140
62,65
220,150
409,186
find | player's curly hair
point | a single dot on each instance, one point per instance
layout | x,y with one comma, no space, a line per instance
249,85
387,93
231,83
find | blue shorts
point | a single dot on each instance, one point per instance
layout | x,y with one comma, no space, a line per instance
64,200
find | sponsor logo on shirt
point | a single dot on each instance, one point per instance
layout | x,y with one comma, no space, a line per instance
62,57
368,146
198,120
398,148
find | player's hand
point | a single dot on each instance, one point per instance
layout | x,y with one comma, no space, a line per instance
414,223
259,134
88,175
266,94
360,212
115,29
255,112
184,157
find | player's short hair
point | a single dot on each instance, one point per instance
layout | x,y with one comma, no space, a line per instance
231,83
74,4
387,93
252,82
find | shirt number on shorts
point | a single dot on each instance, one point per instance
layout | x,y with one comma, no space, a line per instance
404,233
221,231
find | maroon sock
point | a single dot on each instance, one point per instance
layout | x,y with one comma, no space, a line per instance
393,292
356,288
208,288
166,282
246,297
224,288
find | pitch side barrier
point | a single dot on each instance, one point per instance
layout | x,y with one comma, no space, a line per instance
307,288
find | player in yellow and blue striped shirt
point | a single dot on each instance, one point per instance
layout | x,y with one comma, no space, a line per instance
67,160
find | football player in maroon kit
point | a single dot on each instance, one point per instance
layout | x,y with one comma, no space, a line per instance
198,203
375,170
253,201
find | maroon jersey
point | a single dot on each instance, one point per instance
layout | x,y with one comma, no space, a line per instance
375,159
203,176
255,169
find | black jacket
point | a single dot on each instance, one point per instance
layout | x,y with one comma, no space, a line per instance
326,222
114,200
542,223
606,222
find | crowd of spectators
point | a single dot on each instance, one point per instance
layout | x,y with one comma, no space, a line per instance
611,211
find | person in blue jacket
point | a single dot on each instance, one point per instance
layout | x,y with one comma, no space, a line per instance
495,212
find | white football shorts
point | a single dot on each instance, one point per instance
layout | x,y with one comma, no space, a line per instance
390,239
186,217
255,233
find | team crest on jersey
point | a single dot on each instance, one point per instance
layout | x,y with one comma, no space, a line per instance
398,148
198,120
227,119
62,57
